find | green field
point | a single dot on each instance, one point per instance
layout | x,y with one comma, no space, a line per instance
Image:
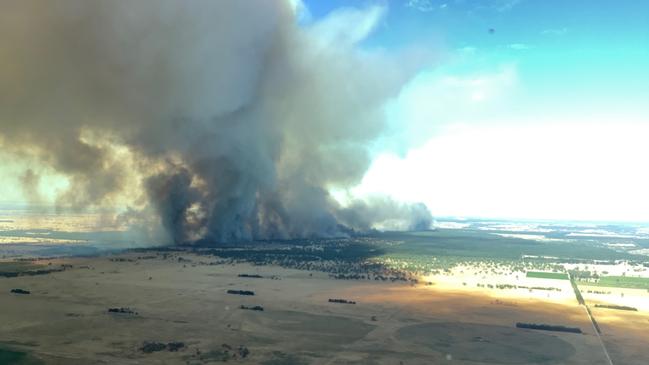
547,275
620,282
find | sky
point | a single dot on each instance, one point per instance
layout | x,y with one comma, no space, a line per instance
524,109
530,109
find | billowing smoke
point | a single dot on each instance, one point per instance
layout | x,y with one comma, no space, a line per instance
226,119
387,213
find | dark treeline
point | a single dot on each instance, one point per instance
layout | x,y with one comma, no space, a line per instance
343,301
122,310
342,258
149,347
322,249
121,259
548,327
13,274
618,307
241,292
252,308
510,286
20,291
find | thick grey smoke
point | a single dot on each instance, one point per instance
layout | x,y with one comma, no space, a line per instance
226,118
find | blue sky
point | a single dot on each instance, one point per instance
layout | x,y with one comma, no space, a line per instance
566,51
545,117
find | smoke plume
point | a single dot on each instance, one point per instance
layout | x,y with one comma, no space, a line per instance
226,119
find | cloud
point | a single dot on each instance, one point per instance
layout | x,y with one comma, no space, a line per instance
468,49
335,29
437,99
519,46
300,11
500,6
506,5
421,5
555,32
509,170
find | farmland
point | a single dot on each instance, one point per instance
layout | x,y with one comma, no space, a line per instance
628,282
438,293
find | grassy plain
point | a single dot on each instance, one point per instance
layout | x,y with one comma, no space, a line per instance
180,296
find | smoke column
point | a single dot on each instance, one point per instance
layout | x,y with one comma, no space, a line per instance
224,120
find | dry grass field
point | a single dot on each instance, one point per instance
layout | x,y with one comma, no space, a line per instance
183,298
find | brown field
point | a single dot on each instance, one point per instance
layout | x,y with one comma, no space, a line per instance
65,320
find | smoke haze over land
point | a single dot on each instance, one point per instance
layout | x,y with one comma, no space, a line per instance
219,120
